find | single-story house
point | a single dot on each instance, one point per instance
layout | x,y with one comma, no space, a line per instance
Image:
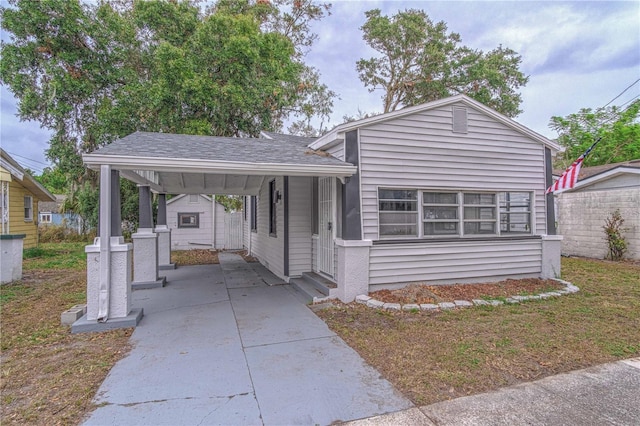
19,200
196,221
445,192
583,210
53,213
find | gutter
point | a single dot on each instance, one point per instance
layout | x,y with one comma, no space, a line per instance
183,165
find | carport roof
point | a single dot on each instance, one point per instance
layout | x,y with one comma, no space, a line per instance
170,162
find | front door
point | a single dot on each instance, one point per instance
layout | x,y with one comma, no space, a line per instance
326,225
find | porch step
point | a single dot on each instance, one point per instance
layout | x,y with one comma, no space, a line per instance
312,286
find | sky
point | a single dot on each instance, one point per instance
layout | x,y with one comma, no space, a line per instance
576,54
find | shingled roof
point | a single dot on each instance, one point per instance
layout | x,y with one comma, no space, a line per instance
587,172
281,149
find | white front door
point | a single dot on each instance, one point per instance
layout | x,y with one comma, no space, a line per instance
326,225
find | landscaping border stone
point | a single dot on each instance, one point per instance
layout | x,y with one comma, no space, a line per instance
458,304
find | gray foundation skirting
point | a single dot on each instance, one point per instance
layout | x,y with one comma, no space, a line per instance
141,285
168,266
85,326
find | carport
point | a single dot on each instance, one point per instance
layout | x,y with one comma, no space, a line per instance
179,164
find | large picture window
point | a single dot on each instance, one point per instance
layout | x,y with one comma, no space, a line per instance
452,213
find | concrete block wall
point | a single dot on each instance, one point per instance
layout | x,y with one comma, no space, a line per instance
581,216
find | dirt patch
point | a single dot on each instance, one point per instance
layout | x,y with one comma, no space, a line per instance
247,258
422,293
194,257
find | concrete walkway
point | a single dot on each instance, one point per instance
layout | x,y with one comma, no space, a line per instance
608,394
221,344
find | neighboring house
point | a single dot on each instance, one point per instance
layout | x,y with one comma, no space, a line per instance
52,213
20,194
190,218
445,192
582,211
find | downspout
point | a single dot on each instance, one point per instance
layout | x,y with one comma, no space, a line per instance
105,243
213,221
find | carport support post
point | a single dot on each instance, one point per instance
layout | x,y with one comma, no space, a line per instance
164,235
108,266
145,245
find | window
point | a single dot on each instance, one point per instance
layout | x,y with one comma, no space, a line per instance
440,213
398,210
452,214
45,218
479,214
515,212
28,208
273,208
254,213
188,220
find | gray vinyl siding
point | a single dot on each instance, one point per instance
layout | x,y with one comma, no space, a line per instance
337,151
267,249
456,261
421,151
299,225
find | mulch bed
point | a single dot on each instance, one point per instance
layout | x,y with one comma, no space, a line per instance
422,293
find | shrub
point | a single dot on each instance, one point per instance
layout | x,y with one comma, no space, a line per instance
61,233
615,240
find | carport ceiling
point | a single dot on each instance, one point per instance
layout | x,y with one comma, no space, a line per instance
184,164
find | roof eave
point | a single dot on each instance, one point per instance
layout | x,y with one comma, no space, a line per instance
611,173
94,161
327,139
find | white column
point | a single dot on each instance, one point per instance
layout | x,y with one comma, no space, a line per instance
352,275
145,246
551,251
164,235
108,266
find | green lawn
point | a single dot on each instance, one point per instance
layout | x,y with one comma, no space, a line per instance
434,357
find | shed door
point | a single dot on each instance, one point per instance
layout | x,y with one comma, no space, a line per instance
326,196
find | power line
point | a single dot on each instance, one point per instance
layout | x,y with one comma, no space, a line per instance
27,158
621,93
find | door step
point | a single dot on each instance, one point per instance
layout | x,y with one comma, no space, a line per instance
312,286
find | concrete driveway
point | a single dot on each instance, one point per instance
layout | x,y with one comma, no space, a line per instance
219,345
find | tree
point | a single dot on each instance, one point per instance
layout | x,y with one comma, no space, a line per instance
420,62
618,130
53,179
92,73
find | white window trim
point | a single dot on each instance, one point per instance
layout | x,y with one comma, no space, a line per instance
30,217
460,196
45,217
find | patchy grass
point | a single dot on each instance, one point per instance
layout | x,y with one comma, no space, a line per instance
58,256
434,357
50,376
194,257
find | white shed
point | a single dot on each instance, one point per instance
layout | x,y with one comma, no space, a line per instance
190,218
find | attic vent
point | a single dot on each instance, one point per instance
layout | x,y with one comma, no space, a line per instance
459,120
193,198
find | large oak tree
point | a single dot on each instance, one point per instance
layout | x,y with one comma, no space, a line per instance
419,61
93,72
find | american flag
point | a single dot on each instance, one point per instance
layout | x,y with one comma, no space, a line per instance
569,178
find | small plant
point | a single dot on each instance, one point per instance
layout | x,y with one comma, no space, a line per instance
615,240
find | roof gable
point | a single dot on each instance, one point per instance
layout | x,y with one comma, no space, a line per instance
336,134
25,179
